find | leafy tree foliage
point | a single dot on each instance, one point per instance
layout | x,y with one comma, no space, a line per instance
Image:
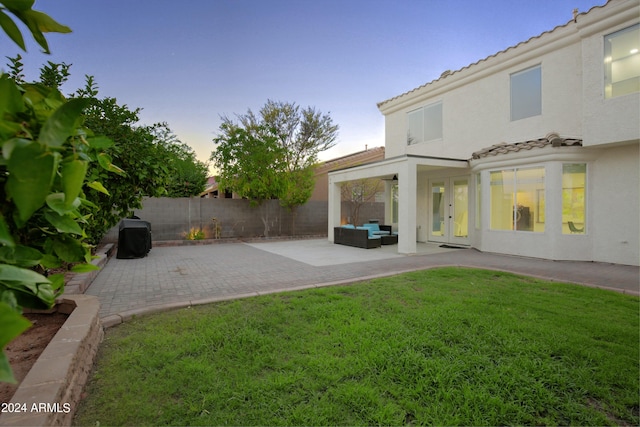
36,21
139,172
45,156
272,154
250,166
43,175
53,172
188,175
151,162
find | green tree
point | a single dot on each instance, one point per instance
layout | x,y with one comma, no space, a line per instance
150,160
188,175
301,134
139,172
250,164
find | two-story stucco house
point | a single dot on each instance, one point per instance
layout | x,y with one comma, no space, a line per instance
533,151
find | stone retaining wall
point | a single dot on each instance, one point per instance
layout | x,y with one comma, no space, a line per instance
50,392
59,375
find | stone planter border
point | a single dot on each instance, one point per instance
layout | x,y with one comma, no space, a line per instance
50,392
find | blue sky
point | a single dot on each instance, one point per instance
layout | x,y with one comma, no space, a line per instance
189,62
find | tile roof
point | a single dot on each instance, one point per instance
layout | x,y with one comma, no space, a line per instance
552,139
448,73
353,158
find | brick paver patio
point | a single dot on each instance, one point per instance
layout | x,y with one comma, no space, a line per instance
184,275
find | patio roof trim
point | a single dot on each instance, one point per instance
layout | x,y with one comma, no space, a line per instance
396,159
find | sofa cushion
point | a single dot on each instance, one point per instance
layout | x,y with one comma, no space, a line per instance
375,229
370,232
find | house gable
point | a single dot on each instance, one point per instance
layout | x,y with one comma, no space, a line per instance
476,99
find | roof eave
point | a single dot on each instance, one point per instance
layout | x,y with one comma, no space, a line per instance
536,46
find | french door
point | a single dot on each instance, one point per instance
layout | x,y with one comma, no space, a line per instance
449,210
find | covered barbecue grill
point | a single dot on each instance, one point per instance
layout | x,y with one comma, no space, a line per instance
134,238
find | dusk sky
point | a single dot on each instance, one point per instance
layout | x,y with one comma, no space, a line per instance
189,62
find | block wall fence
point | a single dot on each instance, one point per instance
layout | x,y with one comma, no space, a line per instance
172,218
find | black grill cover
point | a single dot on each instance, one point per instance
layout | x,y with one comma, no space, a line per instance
134,239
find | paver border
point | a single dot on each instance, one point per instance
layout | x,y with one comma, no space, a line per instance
50,392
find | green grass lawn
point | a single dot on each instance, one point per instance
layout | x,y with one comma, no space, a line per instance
448,346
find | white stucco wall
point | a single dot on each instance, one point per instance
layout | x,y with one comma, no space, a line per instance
476,106
606,120
476,115
612,203
615,203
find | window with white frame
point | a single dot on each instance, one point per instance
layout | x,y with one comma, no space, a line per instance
394,203
517,199
526,93
478,199
424,124
574,180
622,62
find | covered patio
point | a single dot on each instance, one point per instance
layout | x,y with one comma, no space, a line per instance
403,171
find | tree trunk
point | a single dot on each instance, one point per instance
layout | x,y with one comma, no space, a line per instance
294,214
264,216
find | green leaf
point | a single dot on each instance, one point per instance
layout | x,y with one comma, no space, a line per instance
45,23
84,268
105,161
8,146
98,187
31,172
5,235
12,30
100,142
35,93
39,23
57,282
9,297
50,261
20,255
45,293
11,99
85,202
63,223
6,374
56,202
62,123
73,174
68,249
18,4
9,129
17,274
13,324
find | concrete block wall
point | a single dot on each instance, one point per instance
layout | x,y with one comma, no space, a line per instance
172,218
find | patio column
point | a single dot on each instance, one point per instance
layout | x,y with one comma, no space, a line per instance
333,218
407,190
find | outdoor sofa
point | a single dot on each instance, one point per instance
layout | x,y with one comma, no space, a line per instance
387,236
359,237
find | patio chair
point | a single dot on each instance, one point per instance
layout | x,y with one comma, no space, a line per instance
575,229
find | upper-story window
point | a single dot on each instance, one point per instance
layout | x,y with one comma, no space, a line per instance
424,124
526,93
622,62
